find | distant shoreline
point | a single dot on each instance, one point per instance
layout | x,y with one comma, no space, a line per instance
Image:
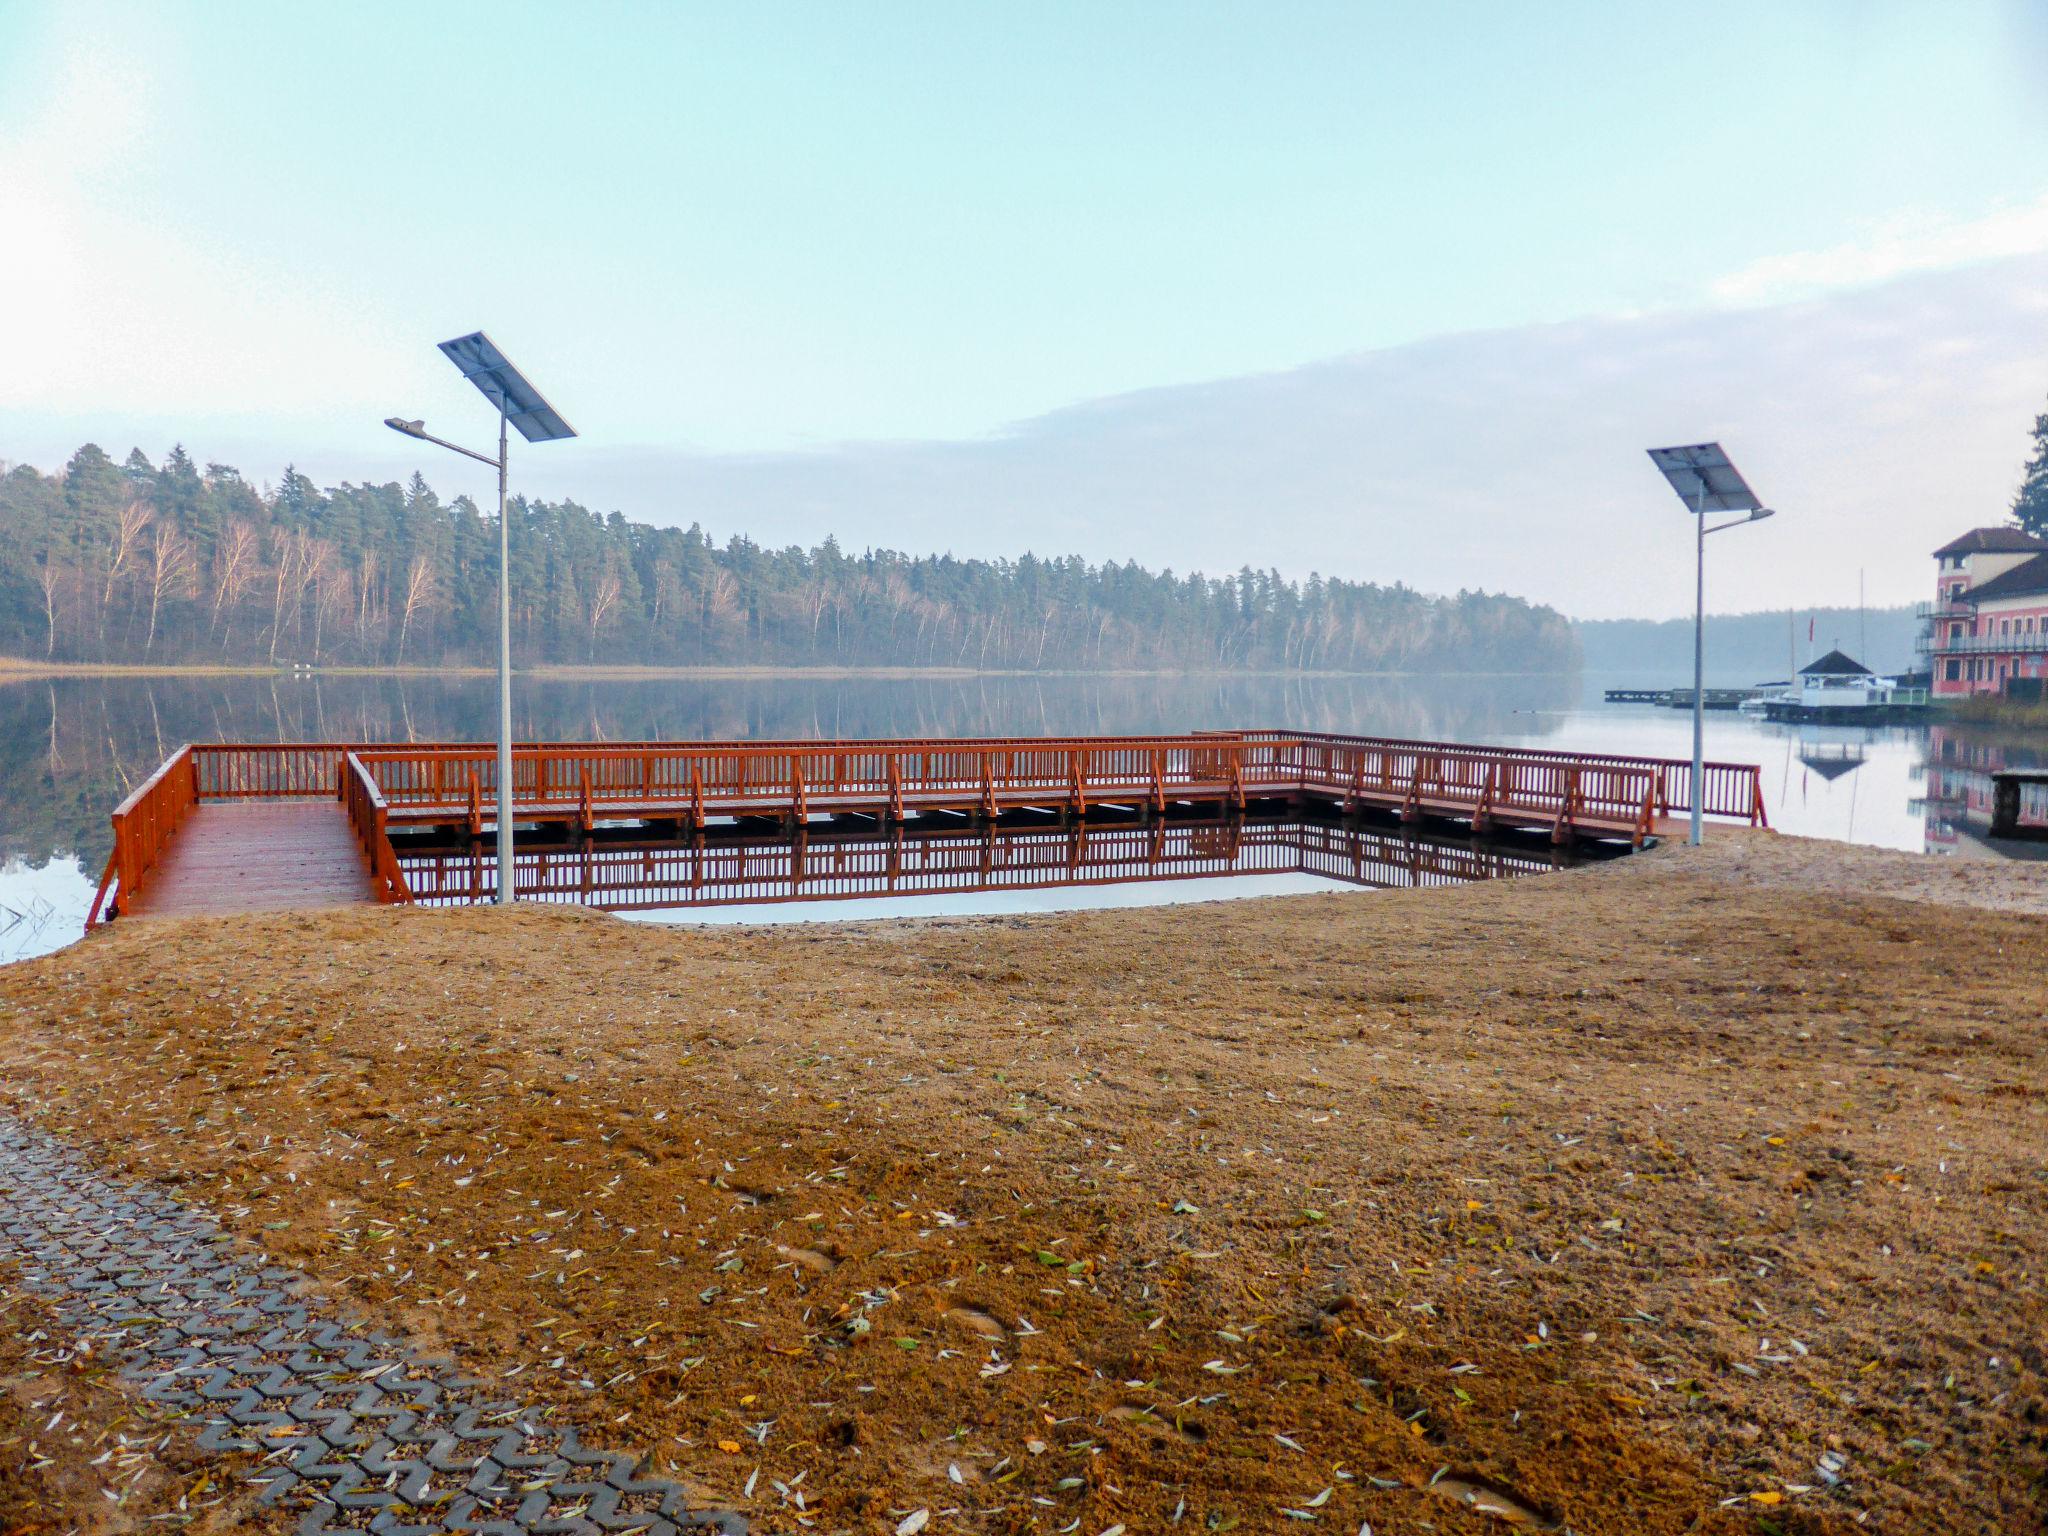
16,669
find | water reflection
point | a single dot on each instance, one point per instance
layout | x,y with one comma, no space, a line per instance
1956,806
729,866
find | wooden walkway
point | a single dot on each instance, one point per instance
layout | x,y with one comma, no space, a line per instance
256,856
249,827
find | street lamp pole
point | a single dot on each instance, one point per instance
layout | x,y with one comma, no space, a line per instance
504,812
1706,481
505,864
1699,661
519,405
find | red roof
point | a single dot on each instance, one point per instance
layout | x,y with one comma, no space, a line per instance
1991,541
2023,580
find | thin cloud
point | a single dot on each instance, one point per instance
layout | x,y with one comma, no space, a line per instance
1879,421
1904,246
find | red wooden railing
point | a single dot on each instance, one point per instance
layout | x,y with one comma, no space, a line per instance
369,815
1491,782
143,824
1731,789
297,770
586,782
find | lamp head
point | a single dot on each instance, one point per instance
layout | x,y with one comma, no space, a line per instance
1761,513
409,428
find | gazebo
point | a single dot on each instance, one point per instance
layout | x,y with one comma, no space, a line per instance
1834,665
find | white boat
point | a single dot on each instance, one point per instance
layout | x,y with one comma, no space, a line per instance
1841,690
1761,695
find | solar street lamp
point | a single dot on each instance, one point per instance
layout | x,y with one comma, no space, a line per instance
1706,482
519,405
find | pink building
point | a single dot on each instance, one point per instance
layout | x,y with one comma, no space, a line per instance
1988,624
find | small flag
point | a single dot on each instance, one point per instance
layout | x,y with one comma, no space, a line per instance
1809,629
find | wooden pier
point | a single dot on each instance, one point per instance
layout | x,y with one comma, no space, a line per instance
234,827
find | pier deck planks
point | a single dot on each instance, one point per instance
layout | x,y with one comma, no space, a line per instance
245,856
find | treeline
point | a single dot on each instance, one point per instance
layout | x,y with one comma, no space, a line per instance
1746,648
135,561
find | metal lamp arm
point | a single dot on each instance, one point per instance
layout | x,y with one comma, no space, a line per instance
468,453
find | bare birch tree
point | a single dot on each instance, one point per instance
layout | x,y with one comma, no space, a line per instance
421,585
234,568
366,586
129,525
50,577
334,593
286,572
604,600
170,572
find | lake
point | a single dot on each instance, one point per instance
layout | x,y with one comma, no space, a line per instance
72,748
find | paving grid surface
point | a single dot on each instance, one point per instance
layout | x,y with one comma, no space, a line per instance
348,1424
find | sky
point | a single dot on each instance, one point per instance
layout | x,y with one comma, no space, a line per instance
1388,292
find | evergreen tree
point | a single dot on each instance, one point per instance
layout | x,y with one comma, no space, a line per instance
93,487
2030,506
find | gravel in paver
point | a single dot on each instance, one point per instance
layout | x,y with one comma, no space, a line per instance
350,1425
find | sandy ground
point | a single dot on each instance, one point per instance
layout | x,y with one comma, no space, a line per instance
1776,862
1697,1192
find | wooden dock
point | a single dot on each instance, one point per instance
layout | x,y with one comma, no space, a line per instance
238,827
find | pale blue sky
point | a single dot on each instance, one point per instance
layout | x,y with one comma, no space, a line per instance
750,228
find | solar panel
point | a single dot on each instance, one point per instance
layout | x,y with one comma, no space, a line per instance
506,388
1703,467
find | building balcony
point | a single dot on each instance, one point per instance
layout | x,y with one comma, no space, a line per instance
1955,608
2034,643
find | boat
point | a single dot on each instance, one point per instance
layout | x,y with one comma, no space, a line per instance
1762,694
1836,689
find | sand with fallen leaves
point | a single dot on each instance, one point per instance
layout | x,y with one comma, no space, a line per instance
1696,1192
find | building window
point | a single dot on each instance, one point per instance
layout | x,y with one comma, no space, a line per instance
1955,671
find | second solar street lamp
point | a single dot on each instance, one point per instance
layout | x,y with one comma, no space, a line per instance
1706,481
519,405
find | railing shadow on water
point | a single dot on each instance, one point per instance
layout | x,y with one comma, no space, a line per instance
734,866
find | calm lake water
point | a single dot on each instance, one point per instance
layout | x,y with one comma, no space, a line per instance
73,748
